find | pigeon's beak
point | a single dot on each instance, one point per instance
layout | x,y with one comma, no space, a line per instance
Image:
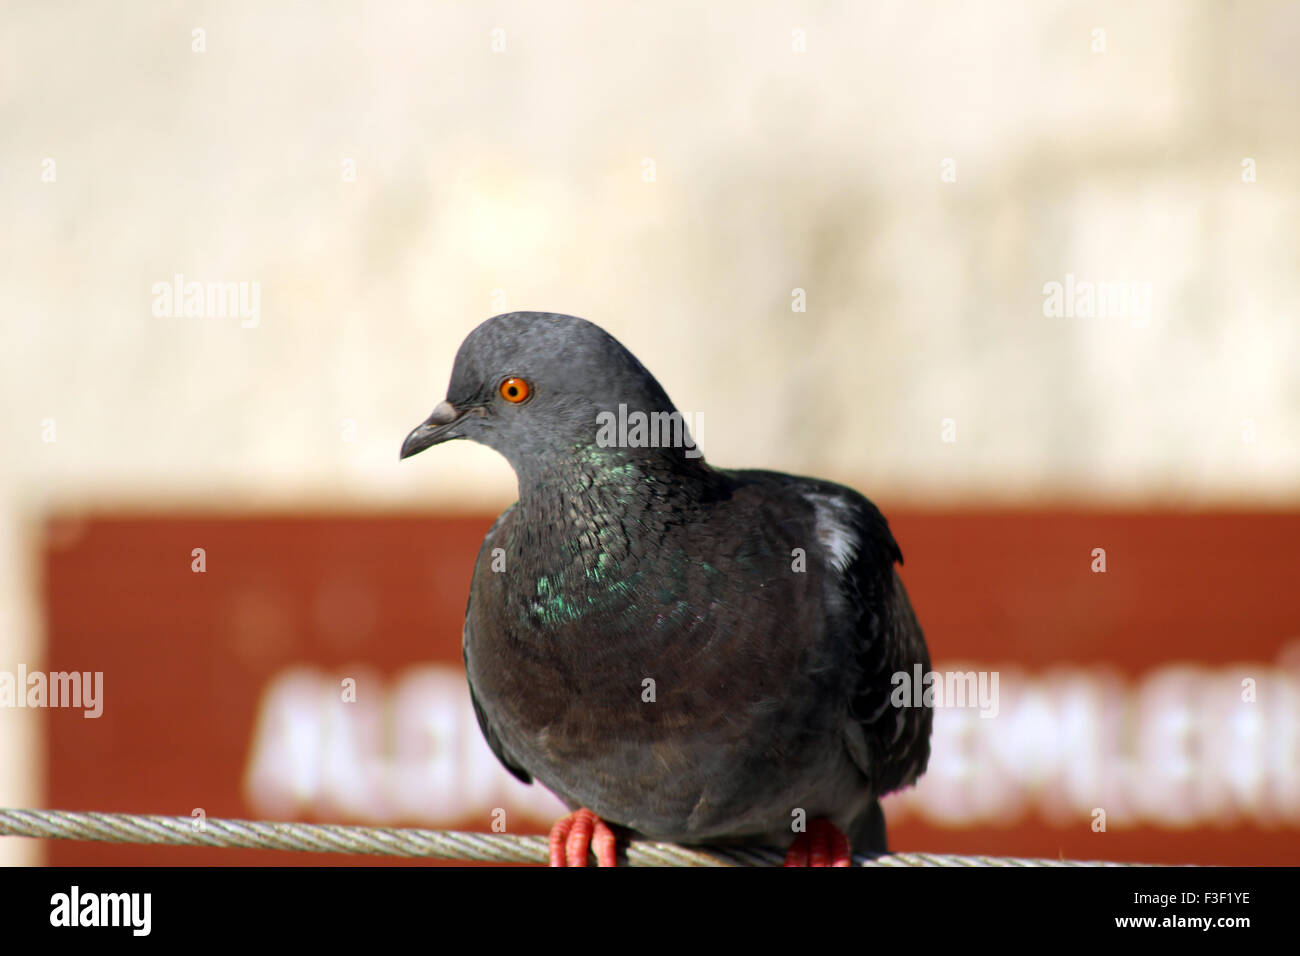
438,427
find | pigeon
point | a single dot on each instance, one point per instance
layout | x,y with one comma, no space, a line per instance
679,652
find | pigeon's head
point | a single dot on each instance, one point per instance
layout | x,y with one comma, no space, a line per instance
536,386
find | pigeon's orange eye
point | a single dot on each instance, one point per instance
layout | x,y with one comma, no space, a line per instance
515,390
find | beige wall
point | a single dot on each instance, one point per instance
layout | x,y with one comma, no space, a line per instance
523,171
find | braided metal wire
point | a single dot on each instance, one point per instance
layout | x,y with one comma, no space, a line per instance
412,842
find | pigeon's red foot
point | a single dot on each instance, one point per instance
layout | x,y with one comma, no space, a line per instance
580,831
824,844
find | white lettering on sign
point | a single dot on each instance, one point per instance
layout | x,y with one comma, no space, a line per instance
1184,745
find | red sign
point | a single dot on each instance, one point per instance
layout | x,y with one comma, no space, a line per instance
1115,686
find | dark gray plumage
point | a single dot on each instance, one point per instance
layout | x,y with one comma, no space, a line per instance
623,564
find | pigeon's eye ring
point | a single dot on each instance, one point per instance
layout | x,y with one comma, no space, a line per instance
515,390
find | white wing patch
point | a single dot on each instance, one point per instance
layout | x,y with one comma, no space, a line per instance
835,529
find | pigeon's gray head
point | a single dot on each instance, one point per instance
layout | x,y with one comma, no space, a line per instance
537,387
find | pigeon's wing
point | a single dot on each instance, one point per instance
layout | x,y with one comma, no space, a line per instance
891,745
870,629
494,742
489,733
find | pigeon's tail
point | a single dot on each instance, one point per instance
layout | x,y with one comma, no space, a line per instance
867,832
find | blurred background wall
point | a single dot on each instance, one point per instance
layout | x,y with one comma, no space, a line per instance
831,230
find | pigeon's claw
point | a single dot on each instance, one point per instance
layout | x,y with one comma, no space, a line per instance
823,844
582,831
